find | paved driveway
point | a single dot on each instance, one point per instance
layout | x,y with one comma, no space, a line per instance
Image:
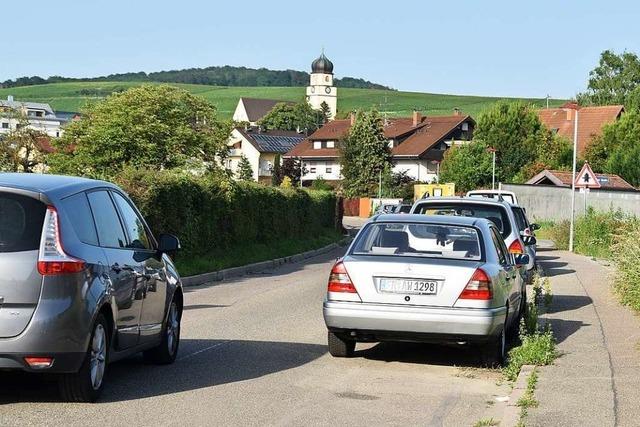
254,353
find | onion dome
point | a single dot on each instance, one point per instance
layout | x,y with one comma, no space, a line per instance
322,65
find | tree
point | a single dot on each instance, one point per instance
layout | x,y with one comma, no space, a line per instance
286,182
298,116
614,81
326,112
397,184
321,184
364,154
244,172
293,169
515,131
276,171
469,166
21,148
617,150
159,127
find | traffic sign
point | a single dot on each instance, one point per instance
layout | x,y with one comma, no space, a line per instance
586,178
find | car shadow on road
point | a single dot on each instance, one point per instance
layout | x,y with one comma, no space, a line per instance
552,268
200,364
424,354
568,302
563,329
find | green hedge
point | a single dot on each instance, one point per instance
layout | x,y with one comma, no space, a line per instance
208,213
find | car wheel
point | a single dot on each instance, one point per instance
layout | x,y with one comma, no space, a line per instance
86,385
494,352
165,353
340,347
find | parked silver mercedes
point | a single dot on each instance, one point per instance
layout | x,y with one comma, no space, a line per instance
425,278
83,282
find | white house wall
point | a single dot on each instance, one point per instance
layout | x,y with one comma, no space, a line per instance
320,167
248,150
420,170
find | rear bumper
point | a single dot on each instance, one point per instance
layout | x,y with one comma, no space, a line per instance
377,322
62,362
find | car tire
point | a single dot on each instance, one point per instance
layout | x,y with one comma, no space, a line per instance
165,353
340,347
493,353
86,385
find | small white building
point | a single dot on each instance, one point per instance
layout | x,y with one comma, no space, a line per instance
41,117
261,148
251,110
417,144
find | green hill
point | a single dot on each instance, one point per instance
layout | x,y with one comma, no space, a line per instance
73,96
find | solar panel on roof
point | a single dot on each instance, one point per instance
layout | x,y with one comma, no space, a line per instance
276,144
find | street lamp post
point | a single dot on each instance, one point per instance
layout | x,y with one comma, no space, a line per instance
493,167
573,182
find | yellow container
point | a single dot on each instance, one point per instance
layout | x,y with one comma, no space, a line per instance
433,190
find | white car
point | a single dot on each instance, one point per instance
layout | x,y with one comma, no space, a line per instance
426,279
508,196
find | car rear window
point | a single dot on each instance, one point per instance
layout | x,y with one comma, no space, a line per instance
21,219
521,220
506,197
77,208
495,213
419,239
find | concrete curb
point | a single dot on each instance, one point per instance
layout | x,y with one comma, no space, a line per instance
511,415
227,273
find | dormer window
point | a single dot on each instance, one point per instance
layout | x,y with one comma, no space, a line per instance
35,113
331,144
317,145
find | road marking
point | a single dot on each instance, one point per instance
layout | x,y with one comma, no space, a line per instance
211,347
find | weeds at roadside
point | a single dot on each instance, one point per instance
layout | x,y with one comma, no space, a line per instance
548,295
485,422
528,400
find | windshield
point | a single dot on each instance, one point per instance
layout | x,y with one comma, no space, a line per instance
494,213
419,239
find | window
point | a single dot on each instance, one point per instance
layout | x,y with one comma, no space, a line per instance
503,253
110,232
133,223
331,144
77,209
312,169
21,220
328,170
317,145
494,213
419,240
5,125
521,219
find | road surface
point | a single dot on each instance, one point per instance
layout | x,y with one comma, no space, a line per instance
253,352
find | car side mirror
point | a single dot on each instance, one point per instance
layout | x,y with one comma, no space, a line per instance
522,259
534,227
168,244
529,240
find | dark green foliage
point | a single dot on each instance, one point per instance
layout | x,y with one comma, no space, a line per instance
276,172
617,150
365,155
397,184
515,131
298,116
321,184
155,126
217,76
210,214
469,166
615,80
244,172
293,169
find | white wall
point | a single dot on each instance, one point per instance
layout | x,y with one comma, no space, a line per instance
49,127
240,114
248,150
321,169
420,170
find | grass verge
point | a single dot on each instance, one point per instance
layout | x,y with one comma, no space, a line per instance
248,253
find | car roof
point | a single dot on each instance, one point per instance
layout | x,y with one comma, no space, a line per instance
490,192
50,185
468,221
477,200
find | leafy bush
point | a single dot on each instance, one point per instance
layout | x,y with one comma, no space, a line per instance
626,253
536,349
209,213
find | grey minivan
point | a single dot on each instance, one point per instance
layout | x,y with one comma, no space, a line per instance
83,281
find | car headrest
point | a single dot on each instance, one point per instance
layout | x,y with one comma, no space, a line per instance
470,246
395,239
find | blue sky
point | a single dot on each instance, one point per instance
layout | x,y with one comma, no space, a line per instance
500,48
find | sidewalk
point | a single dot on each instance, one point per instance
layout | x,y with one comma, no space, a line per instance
596,381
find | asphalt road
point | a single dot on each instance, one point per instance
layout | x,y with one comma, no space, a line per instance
253,352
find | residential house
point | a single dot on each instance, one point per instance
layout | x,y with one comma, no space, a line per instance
417,145
565,178
260,147
41,117
251,110
590,121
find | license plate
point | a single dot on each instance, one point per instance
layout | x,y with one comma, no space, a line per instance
409,286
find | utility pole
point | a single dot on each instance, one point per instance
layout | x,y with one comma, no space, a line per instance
548,101
380,184
573,182
493,167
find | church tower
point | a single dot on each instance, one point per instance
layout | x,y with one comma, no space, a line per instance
321,87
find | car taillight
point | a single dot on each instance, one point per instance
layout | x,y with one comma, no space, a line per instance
479,287
39,362
516,247
339,280
52,259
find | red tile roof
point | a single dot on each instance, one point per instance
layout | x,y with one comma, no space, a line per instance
590,121
564,179
422,137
